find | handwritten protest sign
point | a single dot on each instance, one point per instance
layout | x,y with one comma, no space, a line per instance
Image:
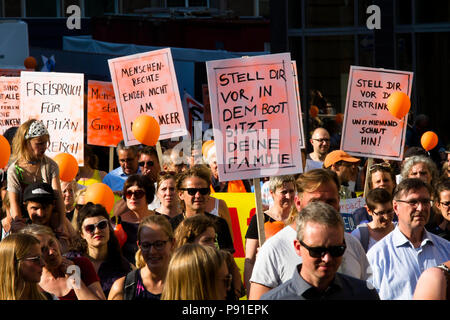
103,123
9,103
57,100
146,83
369,129
255,116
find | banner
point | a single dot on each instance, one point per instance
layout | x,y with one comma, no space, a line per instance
9,103
146,83
369,129
195,112
57,100
255,116
103,123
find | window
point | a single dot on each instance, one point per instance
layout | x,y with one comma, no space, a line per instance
329,13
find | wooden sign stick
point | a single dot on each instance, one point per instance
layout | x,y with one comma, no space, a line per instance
259,212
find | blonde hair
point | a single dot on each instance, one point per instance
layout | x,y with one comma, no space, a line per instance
192,274
158,220
20,143
12,249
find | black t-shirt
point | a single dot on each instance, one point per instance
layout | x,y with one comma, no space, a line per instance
223,231
252,231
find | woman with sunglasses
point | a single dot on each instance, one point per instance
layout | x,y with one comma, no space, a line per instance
167,195
99,244
138,192
67,279
202,230
21,268
156,242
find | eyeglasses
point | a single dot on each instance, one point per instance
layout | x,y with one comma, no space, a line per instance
319,252
445,204
415,202
322,140
380,165
146,163
193,191
386,212
90,228
138,194
36,259
158,245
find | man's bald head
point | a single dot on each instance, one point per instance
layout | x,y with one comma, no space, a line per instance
320,141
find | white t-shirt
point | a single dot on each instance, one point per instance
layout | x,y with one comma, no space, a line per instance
277,260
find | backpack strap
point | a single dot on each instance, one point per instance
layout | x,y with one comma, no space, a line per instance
364,231
129,287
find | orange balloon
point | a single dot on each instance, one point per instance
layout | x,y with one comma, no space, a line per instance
314,111
271,228
120,234
339,118
30,63
68,166
206,146
5,151
398,104
146,130
429,140
100,193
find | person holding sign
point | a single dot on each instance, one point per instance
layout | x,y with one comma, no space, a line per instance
282,190
345,166
31,165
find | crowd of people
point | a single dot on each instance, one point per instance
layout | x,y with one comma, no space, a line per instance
168,238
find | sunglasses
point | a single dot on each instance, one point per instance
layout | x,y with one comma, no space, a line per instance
193,191
319,252
386,165
146,163
138,194
158,245
36,259
90,228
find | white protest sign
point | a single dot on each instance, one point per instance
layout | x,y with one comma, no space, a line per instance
146,83
255,116
9,103
369,129
57,100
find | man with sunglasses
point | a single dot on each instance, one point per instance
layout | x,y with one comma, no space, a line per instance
150,167
398,259
321,244
276,259
193,187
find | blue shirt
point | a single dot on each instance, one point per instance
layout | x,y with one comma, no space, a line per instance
397,265
116,179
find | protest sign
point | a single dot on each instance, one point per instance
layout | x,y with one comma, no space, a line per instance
9,103
347,207
146,83
103,123
57,100
255,116
369,129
